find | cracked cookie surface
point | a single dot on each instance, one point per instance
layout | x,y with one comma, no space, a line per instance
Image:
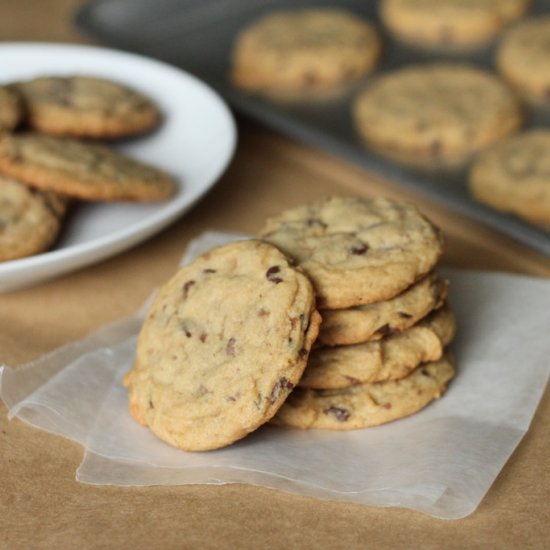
224,343
391,358
356,251
375,321
83,106
367,405
83,170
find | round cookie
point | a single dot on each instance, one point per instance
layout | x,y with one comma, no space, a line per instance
366,405
304,51
374,321
223,344
29,220
449,24
356,250
391,358
83,106
515,177
10,109
435,115
83,170
523,59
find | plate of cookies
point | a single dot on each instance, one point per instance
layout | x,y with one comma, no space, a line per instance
448,97
99,150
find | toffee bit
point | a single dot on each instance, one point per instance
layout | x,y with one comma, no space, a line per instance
387,405
151,406
341,414
230,347
262,312
359,249
186,287
271,274
436,147
202,337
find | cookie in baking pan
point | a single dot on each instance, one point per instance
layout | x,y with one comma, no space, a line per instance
79,169
224,343
449,24
366,405
85,106
356,250
374,321
523,59
514,177
436,115
304,51
391,358
30,220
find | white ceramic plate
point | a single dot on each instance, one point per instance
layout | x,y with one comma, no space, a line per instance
195,143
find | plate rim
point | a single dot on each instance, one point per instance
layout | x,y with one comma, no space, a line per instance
100,248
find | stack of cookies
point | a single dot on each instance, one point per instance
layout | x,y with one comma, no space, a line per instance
47,158
380,353
235,339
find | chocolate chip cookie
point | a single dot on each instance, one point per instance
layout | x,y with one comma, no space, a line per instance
29,220
82,170
366,405
224,343
10,109
356,250
523,59
84,106
449,24
304,51
436,115
515,177
391,358
374,321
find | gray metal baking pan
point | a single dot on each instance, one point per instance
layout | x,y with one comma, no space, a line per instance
198,36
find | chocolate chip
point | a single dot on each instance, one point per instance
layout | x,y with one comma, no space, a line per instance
404,315
385,330
271,274
151,406
352,380
186,331
425,373
436,147
186,288
303,353
230,347
208,270
283,384
262,312
387,405
341,414
359,249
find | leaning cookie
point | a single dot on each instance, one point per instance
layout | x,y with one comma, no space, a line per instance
436,115
366,405
523,59
356,250
304,51
11,110
83,106
514,177
391,358
224,343
374,321
29,220
449,24
83,170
